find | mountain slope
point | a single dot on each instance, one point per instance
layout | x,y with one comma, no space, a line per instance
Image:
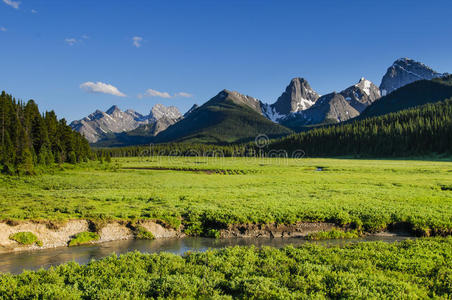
414,94
404,71
228,117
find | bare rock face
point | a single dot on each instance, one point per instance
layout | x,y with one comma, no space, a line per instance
99,124
362,94
298,96
404,71
328,109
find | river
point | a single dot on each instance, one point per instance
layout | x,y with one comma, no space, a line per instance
16,262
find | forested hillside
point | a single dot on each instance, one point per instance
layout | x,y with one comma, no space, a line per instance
421,130
29,139
417,93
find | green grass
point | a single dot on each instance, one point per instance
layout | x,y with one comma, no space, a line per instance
25,238
84,238
408,270
365,194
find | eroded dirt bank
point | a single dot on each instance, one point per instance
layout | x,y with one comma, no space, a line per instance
53,234
299,229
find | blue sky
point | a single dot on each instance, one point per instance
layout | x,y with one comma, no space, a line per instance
139,53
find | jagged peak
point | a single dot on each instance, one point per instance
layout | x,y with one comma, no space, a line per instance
113,109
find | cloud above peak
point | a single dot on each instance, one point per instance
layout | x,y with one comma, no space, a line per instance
166,95
101,87
3,29
136,40
13,4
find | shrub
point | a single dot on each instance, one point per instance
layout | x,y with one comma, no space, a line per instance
84,238
24,238
142,234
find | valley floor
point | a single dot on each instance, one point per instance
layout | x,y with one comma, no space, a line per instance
203,195
221,197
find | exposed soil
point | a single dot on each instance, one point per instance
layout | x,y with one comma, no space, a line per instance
299,229
58,235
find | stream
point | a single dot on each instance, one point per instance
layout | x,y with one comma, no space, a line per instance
16,262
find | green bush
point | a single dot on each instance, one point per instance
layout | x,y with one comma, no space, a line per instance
413,269
213,233
142,234
24,238
84,238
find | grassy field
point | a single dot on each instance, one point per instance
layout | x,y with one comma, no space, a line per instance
205,193
416,269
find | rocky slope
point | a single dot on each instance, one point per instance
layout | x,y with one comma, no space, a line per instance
362,94
328,109
298,96
99,124
404,71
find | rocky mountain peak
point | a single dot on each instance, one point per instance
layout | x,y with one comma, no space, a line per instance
298,96
112,110
361,94
159,111
404,71
98,124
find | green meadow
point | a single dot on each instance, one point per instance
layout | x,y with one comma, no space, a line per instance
209,193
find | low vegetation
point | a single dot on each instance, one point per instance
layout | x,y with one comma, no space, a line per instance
406,270
25,238
367,195
333,234
142,234
84,238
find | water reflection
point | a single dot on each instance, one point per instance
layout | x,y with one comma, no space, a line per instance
32,260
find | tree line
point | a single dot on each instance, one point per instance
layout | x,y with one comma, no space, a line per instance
30,139
421,130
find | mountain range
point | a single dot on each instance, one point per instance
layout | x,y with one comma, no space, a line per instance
100,125
233,117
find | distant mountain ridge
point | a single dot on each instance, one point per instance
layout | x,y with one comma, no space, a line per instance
100,124
231,116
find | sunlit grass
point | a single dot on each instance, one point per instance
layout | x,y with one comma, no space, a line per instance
364,193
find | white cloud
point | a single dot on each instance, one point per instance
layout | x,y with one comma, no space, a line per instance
13,4
85,37
34,11
183,94
137,41
154,93
71,41
3,29
100,87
